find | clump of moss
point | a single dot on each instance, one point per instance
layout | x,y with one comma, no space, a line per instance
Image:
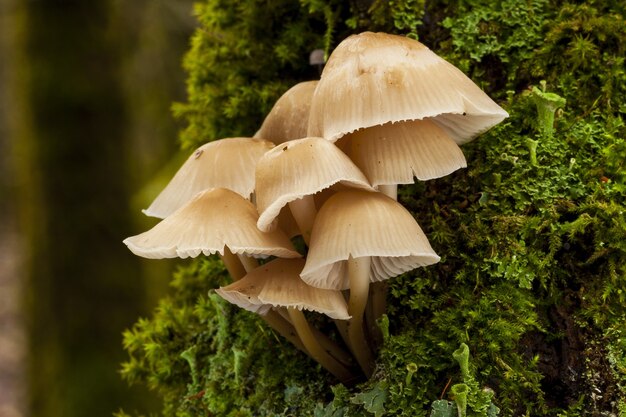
533,270
203,355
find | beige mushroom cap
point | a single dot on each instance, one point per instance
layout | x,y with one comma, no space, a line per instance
395,153
358,223
376,78
225,163
289,117
244,293
211,220
300,168
278,284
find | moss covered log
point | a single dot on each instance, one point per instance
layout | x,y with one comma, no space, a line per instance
525,313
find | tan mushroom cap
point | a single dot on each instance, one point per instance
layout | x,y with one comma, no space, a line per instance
211,220
356,224
376,78
225,163
300,168
278,284
395,153
289,117
244,293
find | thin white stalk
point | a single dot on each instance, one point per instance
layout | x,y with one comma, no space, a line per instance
314,348
248,262
358,273
233,265
304,212
331,347
285,329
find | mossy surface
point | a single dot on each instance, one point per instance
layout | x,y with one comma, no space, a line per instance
532,234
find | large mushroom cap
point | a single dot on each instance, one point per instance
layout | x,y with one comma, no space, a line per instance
376,78
356,224
278,284
394,153
225,163
289,117
211,220
300,168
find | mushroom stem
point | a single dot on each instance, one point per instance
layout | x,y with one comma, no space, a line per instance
390,190
304,212
248,262
358,273
342,329
233,264
316,351
284,328
329,345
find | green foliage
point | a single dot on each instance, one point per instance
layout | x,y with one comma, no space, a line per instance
207,357
495,41
373,400
532,235
245,56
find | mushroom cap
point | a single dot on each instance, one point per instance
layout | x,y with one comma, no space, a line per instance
375,78
394,153
289,117
244,293
300,168
278,284
225,163
211,220
359,223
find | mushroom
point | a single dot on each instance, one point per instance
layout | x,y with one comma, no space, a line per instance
291,173
278,284
400,110
225,163
376,78
288,119
358,237
211,222
217,221
395,153
378,81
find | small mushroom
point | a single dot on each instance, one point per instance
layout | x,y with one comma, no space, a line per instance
225,163
395,153
211,222
217,221
293,172
376,78
288,119
358,237
278,284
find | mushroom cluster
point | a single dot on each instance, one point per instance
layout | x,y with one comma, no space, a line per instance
325,165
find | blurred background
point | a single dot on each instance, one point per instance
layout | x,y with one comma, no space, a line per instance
85,128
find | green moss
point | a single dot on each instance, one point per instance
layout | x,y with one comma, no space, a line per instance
533,272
